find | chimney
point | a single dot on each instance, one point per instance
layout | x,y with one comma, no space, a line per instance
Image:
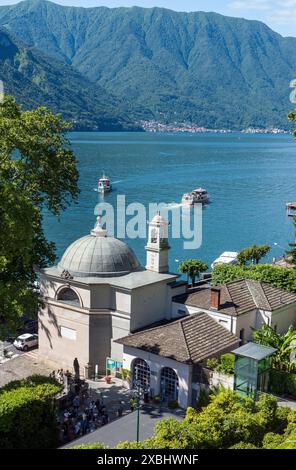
215,298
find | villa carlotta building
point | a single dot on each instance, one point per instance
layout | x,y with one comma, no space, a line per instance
102,309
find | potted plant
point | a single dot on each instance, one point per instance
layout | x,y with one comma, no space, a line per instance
108,379
126,378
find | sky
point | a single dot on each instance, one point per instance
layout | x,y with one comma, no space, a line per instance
280,15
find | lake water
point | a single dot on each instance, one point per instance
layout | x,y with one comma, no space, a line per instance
249,177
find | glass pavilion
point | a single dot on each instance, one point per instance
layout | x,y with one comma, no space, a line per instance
252,365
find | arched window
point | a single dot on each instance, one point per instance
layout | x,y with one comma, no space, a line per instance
141,373
68,296
169,384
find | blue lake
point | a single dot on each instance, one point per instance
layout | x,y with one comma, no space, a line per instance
249,177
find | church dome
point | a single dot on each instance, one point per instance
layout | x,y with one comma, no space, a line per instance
98,255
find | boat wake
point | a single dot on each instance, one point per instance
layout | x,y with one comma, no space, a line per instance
174,205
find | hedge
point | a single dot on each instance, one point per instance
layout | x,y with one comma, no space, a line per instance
282,278
28,414
282,382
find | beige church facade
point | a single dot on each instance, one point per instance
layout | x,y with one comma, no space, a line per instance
102,310
98,293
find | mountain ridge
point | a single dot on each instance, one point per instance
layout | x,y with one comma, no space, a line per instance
36,79
199,67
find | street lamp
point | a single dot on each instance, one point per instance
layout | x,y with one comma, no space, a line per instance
139,392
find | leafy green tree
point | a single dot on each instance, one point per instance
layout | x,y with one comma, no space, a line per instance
284,358
130,445
37,172
227,420
253,254
96,445
28,414
281,278
292,252
292,117
193,268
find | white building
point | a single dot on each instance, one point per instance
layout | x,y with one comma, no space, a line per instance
240,306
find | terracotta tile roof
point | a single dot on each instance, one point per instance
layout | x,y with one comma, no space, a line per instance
190,339
239,297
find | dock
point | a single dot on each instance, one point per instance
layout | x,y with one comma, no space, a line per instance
291,209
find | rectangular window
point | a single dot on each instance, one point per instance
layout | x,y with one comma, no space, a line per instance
68,333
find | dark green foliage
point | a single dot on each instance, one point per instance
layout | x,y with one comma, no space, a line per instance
130,445
282,383
197,67
97,445
227,420
292,252
193,268
203,399
225,365
287,440
243,445
36,79
285,345
37,171
173,404
28,414
282,278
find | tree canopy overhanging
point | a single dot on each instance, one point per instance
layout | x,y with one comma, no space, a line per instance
38,171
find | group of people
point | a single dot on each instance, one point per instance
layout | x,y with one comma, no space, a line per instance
79,413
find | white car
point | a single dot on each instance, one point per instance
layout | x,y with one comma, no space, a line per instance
26,341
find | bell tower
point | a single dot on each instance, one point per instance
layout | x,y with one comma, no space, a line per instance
158,245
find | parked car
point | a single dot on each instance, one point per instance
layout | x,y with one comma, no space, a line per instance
26,341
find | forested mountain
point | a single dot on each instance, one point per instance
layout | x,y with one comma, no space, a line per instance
35,79
201,67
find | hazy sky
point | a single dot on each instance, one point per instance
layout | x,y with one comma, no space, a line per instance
280,15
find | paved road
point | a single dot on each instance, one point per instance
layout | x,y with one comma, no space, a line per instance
12,351
23,366
124,429
284,402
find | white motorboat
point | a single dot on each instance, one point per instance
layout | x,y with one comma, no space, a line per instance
228,257
198,196
104,184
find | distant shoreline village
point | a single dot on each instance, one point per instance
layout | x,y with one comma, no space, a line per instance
156,126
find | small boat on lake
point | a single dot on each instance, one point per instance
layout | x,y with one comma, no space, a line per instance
228,257
198,196
104,184
291,209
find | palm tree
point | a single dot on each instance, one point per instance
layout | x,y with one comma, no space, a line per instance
253,253
284,358
193,268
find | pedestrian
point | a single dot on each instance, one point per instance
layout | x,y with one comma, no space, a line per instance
120,410
76,402
105,418
77,428
67,415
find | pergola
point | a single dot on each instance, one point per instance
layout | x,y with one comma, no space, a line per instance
252,365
